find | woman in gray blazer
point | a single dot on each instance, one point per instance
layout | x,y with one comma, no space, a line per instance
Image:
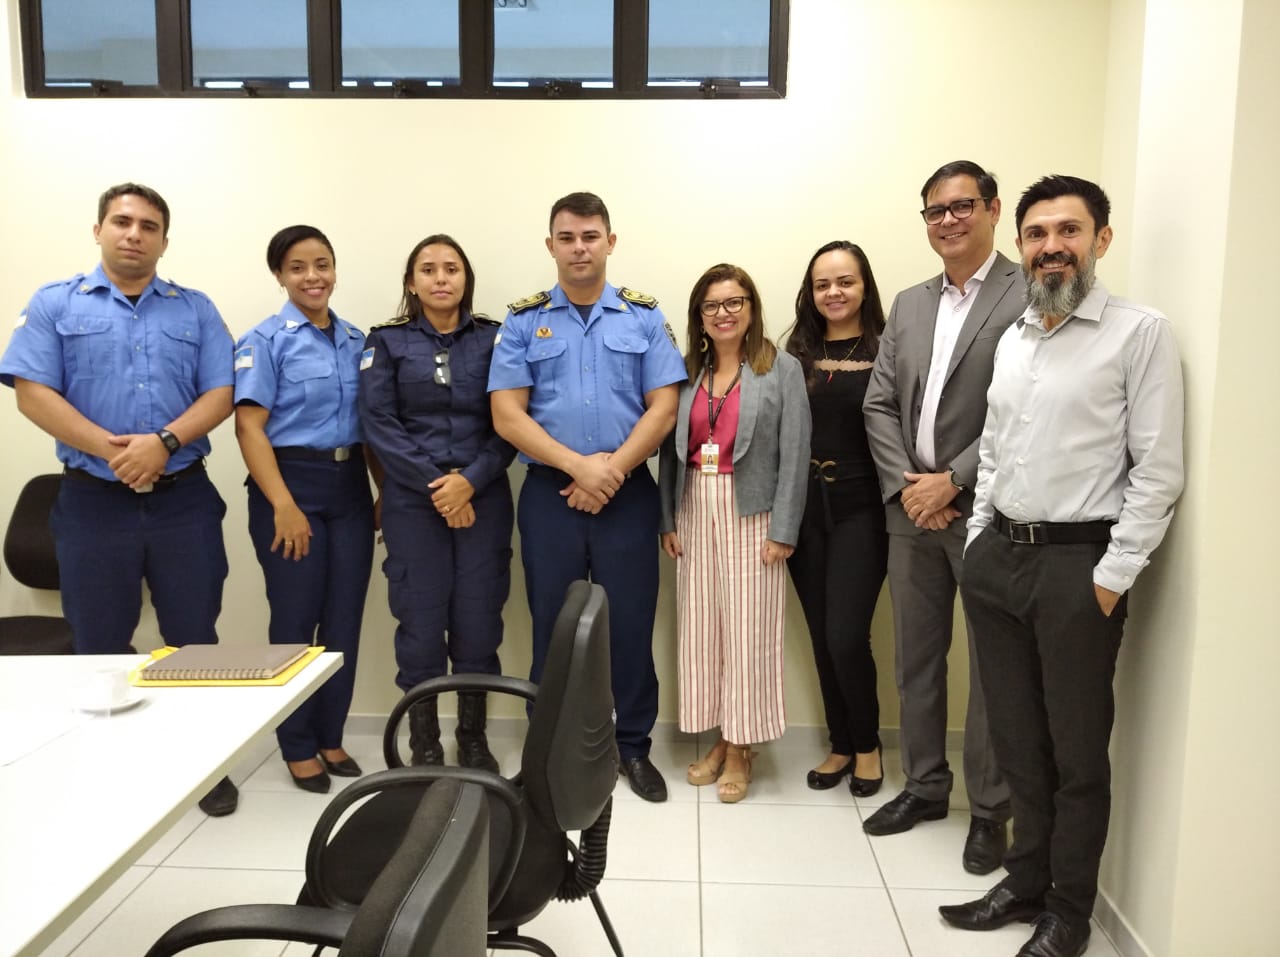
733,477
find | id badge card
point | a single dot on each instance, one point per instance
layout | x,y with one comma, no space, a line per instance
710,458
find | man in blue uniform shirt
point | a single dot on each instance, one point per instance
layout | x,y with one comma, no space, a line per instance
129,374
584,382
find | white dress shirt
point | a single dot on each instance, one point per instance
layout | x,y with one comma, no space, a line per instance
953,308
1084,423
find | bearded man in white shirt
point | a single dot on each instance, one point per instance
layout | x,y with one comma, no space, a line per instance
1080,464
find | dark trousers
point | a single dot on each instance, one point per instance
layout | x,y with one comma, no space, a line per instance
618,550
446,586
838,570
1047,654
319,599
110,539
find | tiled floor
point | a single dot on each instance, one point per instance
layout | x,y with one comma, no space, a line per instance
787,872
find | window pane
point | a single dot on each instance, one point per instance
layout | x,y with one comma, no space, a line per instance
553,40
384,40
91,40
237,40
725,39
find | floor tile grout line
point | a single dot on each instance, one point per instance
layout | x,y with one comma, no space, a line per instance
884,882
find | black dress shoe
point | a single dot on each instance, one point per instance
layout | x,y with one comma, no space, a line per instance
1057,937
645,779
903,813
825,780
346,768
999,906
985,846
222,800
315,783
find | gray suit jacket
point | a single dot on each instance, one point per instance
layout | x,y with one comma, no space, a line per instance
896,391
770,449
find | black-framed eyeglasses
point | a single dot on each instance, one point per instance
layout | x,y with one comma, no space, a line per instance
960,209
732,306
442,376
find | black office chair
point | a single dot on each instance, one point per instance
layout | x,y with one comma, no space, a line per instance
31,558
568,770
430,900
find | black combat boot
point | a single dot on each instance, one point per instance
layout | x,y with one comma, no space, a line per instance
424,733
473,746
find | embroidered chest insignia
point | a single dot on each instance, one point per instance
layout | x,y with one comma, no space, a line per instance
544,332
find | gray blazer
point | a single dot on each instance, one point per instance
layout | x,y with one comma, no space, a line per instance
894,395
770,449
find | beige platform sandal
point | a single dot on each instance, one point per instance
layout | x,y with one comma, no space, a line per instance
707,770
732,785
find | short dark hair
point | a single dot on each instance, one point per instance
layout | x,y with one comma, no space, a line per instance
986,181
409,304
580,204
760,351
133,189
289,237
1051,187
810,328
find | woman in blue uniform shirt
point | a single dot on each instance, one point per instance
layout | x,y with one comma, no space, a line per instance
310,509
446,502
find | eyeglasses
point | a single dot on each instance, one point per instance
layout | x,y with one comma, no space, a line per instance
442,376
733,306
960,209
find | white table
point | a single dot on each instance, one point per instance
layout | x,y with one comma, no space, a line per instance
77,809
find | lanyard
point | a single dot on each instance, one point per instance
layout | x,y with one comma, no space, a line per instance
714,413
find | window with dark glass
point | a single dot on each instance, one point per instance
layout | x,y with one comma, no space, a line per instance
546,40
388,40
710,39
234,42
89,40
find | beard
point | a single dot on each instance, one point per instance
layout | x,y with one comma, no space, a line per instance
1054,295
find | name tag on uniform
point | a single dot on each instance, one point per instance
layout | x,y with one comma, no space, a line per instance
366,359
244,358
710,458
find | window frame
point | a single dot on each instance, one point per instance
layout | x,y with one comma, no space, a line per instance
475,58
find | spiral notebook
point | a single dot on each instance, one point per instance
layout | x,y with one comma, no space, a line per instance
224,663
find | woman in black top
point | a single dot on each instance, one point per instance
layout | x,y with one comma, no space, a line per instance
839,562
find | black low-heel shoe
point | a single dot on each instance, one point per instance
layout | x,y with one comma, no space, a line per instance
315,783
346,768
866,787
825,780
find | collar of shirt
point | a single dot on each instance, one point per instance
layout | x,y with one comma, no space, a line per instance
608,300
1090,309
424,324
98,280
979,277
292,319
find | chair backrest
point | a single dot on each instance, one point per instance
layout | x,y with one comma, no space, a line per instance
432,897
570,761
29,550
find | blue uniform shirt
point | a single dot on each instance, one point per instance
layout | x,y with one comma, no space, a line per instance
419,428
308,384
130,369
587,380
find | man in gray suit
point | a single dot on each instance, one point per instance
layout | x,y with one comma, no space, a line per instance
924,409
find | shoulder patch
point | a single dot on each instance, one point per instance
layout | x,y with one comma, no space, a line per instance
639,298
397,321
528,302
671,335
244,358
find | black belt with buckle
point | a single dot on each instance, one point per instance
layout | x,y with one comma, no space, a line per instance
164,481
1053,533
302,454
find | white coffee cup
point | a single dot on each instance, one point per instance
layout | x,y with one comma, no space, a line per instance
105,690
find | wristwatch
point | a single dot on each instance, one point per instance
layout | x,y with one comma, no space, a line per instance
172,444
955,481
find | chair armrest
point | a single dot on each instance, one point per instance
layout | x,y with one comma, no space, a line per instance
308,925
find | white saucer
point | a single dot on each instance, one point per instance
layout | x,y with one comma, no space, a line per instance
126,705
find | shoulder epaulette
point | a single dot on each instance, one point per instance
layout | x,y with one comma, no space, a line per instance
483,320
528,302
639,298
397,321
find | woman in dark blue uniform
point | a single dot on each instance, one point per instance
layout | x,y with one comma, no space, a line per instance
310,509
446,502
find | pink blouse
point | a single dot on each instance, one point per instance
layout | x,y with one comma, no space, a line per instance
726,427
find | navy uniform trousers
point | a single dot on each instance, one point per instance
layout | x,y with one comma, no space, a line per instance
617,549
110,538
446,586
319,599
1047,657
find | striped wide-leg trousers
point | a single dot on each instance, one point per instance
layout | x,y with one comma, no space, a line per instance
730,612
